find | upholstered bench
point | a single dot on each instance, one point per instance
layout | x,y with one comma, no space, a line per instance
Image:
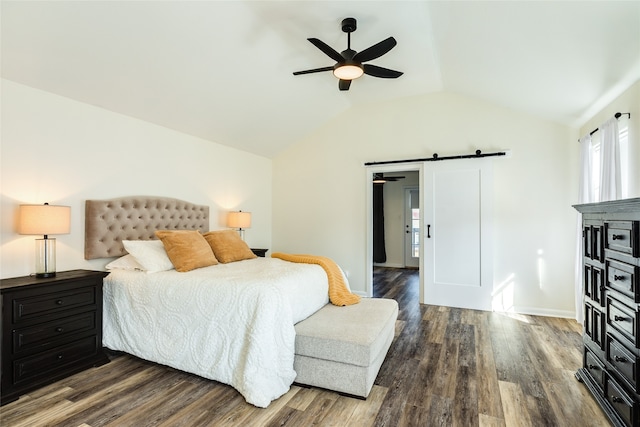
342,348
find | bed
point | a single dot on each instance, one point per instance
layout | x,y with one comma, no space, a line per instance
232,322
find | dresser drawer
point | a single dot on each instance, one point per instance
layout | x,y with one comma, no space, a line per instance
624,279
623,319
624,362
621,401
30,307
622,236
595,368
58,358
50,334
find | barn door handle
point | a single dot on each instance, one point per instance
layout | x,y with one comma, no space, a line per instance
428,231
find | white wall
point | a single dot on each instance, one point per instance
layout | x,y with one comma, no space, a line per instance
627,102
63,152
320,186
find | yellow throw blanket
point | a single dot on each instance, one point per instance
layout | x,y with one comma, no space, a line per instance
339,293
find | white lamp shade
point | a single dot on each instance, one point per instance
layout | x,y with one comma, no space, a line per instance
239,219
44,219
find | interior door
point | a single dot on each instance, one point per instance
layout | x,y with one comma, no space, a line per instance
457,233
412,227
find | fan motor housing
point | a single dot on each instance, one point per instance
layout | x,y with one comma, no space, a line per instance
349,25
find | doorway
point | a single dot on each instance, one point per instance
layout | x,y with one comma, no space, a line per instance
402,234
455,242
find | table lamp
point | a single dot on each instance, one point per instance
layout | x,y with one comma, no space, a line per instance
239,220
45,219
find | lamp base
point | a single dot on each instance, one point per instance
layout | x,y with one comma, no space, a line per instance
45,275
45,258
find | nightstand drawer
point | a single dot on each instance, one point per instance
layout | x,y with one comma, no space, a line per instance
35,306
49,334
55,359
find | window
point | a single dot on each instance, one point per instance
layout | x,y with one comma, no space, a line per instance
624,158
623,138
415,229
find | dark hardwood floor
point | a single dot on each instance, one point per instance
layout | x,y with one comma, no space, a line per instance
446,367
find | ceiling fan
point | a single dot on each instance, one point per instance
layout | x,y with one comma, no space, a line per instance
349,63
379,178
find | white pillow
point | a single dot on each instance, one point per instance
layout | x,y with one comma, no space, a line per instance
127,262
150,254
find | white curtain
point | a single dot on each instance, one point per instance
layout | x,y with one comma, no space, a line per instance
609,161
585,195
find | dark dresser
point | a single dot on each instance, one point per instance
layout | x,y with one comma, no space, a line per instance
51,328
611,288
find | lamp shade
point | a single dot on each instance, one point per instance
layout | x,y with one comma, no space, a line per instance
44,219
239,219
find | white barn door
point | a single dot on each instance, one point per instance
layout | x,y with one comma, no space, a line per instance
458,263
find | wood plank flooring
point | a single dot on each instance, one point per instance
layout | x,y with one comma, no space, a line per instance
446,367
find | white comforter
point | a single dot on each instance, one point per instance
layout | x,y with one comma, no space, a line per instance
232,323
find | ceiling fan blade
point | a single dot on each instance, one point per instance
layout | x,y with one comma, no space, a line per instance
344,84
328,50
375,51
315,70
384,73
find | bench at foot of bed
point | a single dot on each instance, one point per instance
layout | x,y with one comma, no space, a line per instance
342,348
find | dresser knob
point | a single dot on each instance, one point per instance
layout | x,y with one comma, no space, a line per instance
59,357
618,277
59,302
616,399
593,367
619,318
619,359
617,237
59,329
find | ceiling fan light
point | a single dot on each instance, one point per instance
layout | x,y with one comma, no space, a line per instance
348,72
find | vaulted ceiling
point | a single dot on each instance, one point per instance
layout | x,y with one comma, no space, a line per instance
222,70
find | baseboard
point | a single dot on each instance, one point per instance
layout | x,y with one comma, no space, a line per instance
535,311
389,265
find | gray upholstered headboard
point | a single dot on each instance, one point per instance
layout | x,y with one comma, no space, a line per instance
109,222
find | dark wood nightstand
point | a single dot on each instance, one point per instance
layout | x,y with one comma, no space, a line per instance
51,328
260,252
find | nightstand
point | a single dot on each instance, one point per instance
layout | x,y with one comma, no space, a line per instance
260,252
51,328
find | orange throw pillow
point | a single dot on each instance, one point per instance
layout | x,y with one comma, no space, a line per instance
228,246
187,249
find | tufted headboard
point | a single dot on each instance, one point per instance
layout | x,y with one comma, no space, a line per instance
109,222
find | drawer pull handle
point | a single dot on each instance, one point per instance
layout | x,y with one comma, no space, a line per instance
59,329
619,359
59,302
616,399
617,237
593,367
59,357
621,278
619,318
